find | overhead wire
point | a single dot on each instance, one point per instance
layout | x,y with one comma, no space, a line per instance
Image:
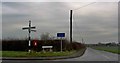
76,26
84,6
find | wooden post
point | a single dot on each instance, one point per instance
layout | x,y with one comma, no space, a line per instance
70,26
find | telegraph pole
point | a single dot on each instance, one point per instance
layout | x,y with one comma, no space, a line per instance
29,37
70,26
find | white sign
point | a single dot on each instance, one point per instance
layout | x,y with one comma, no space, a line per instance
47,46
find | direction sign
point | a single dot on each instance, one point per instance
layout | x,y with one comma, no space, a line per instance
29,30
60,34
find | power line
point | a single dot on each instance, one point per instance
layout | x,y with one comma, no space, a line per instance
71,19
80,35
84,6
80,8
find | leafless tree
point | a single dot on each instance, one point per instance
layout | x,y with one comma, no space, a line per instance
45,36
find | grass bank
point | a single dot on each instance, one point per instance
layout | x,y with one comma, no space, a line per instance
113,49
0,53
35,54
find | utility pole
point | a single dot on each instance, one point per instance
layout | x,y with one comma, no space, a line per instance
29,37
70,26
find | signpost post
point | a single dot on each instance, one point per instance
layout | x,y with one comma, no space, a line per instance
29,30
61,35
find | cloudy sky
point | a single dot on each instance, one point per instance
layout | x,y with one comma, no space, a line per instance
94,23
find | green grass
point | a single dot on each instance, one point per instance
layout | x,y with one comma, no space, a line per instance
113,49
35,54
0,53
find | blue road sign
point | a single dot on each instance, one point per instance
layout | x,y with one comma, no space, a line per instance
60,34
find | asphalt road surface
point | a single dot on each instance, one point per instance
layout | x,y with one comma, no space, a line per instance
94,55
89,55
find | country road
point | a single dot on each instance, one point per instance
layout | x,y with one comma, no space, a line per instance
94,55
89,55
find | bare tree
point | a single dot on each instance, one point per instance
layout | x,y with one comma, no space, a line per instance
45,36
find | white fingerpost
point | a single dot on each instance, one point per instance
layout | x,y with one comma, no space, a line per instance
29,30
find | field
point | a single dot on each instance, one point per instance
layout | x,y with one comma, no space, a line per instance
35,54
113,49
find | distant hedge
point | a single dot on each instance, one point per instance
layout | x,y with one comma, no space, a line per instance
22,45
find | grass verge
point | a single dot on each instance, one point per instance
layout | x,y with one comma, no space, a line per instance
113,49
0,53
35,54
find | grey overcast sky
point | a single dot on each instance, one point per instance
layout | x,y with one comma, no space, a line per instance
95,23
